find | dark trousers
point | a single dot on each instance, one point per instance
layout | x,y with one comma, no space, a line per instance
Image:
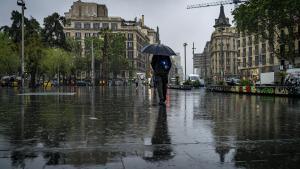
162,85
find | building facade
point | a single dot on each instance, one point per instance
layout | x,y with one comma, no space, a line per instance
202,63
255,56
88,19
223,49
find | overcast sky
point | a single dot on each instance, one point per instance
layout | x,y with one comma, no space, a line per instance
177,24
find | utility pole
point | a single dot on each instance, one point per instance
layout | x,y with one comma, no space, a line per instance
193,56
184,45
22,4
93,65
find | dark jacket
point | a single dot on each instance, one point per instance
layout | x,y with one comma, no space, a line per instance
161,65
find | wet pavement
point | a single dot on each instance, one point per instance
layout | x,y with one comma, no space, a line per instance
120,127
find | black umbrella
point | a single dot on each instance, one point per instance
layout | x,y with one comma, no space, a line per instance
158,49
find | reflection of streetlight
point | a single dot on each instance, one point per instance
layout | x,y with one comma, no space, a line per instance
184,45
222,73
22,4
93,65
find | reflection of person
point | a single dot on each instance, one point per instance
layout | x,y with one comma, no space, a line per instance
161,140
161,66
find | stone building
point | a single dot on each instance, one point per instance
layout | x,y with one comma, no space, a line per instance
88,19
202,63
255,56
223,49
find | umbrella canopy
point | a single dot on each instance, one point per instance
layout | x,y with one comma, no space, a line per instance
158,49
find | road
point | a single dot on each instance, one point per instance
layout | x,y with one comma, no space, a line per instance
120,127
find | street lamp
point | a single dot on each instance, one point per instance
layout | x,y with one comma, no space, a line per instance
184,45
22,4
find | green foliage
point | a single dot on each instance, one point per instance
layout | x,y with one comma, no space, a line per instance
34,50
75,49
9,60
221,82
56,61
31,28
246,82
187,82
196,84
114,53
97,44
52,33
117,54
267,18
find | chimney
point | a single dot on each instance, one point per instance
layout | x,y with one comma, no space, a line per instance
143,19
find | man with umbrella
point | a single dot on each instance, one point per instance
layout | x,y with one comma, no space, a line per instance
161,65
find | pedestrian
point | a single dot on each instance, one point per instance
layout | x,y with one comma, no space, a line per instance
161,66
136,83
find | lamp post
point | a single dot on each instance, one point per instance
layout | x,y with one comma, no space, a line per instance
184,45
93,64
22,4
193,56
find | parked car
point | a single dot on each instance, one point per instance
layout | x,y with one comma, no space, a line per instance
233,81
51,83
10,81
83,83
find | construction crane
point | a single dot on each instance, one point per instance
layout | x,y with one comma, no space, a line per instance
217,3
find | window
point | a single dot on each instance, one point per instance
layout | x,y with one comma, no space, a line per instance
264,60
256,50
87,35
114,26
238,43
249,40
77,25
249,61
244,62
256,39
244,52
263,48
105,25
130,54
77,35
68,34
87,25
233,42
271,59
256,60
250,51
95,34
130,36
96,25
129,45
244,42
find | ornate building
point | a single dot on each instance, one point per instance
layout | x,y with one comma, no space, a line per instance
223,49
87,19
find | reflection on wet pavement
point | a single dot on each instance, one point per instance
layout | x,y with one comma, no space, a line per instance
124,128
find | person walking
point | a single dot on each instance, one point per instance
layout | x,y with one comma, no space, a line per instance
161,66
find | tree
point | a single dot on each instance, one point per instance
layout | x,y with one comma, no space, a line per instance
9,61
34,51
114,53
117,54
75,49
273,20
56,62
97,50
52,33
32,27
33,46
